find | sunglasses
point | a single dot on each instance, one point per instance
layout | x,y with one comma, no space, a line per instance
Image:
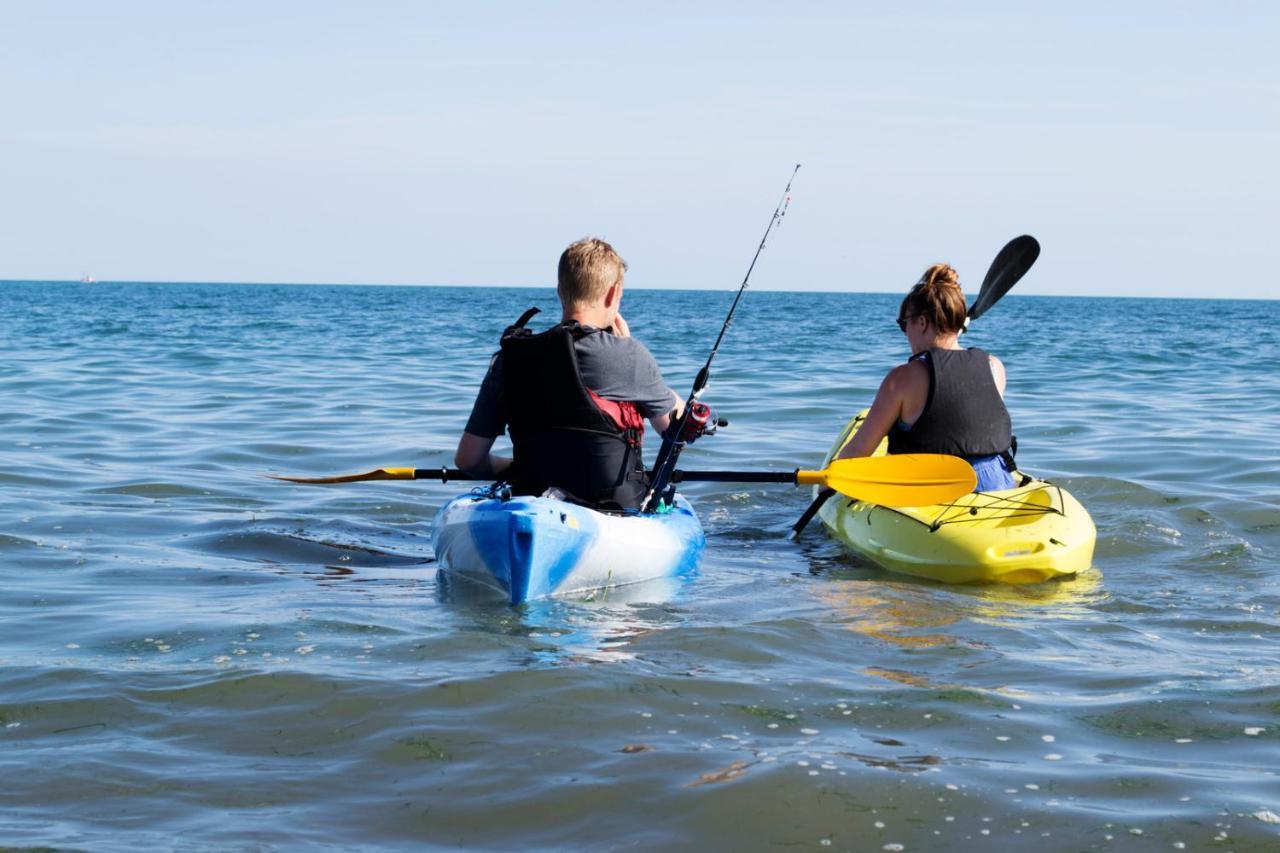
902,321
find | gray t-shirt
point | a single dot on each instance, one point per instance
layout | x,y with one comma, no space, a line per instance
620,369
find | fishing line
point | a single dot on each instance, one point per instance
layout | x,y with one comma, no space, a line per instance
660,477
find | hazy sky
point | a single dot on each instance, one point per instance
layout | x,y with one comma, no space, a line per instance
451,143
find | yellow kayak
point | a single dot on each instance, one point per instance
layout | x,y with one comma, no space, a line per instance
1028,534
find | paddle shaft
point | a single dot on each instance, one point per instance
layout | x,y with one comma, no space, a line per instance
907,480
446,475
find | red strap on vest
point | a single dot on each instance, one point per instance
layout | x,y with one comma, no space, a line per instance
625,416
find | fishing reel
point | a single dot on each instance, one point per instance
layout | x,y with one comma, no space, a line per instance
701,420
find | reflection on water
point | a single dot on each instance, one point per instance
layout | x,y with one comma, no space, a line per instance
910,612
598,629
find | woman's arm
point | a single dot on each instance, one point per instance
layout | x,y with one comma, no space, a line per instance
997,373
902,384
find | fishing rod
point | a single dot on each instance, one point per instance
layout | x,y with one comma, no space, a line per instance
673,439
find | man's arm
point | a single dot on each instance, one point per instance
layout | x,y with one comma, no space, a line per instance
662,421
486,423
473,456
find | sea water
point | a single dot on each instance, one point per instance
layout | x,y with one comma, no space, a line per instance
196,657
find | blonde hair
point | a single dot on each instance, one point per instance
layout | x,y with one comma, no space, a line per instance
588,268
936,297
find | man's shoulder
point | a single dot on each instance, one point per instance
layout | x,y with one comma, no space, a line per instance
608,345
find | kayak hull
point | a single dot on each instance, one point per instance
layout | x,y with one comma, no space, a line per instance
1029,534
534,547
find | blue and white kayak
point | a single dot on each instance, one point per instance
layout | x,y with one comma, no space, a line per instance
533,547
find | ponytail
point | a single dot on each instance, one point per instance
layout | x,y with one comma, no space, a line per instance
936,297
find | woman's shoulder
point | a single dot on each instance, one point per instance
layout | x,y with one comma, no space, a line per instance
992,359
979,352
997,373
912,374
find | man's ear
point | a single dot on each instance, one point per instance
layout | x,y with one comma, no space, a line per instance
613,294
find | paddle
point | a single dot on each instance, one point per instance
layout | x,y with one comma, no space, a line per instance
1011,264
914,479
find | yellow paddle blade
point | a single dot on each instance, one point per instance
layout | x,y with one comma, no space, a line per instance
377,474
908,479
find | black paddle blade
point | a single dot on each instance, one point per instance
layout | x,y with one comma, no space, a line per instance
823,496
1010,265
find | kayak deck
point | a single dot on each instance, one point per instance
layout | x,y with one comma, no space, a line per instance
534,547
1028,534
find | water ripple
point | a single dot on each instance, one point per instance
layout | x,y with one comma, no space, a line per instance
195,651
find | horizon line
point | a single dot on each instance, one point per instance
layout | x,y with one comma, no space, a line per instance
97,282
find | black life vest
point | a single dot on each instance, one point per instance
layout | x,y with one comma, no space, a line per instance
563,434
964,414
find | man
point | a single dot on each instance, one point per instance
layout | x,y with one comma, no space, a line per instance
574,396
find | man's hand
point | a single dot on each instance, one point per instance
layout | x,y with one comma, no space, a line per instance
620,327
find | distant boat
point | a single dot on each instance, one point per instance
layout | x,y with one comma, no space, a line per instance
88,279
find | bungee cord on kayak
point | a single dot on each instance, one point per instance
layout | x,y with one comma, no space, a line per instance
673,440
1001,507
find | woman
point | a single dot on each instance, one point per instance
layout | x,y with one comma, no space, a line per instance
945,399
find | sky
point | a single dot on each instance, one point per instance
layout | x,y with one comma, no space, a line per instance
452,143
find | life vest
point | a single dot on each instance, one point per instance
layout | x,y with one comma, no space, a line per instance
563,434
964,414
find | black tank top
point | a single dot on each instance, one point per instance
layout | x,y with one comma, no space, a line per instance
964,414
